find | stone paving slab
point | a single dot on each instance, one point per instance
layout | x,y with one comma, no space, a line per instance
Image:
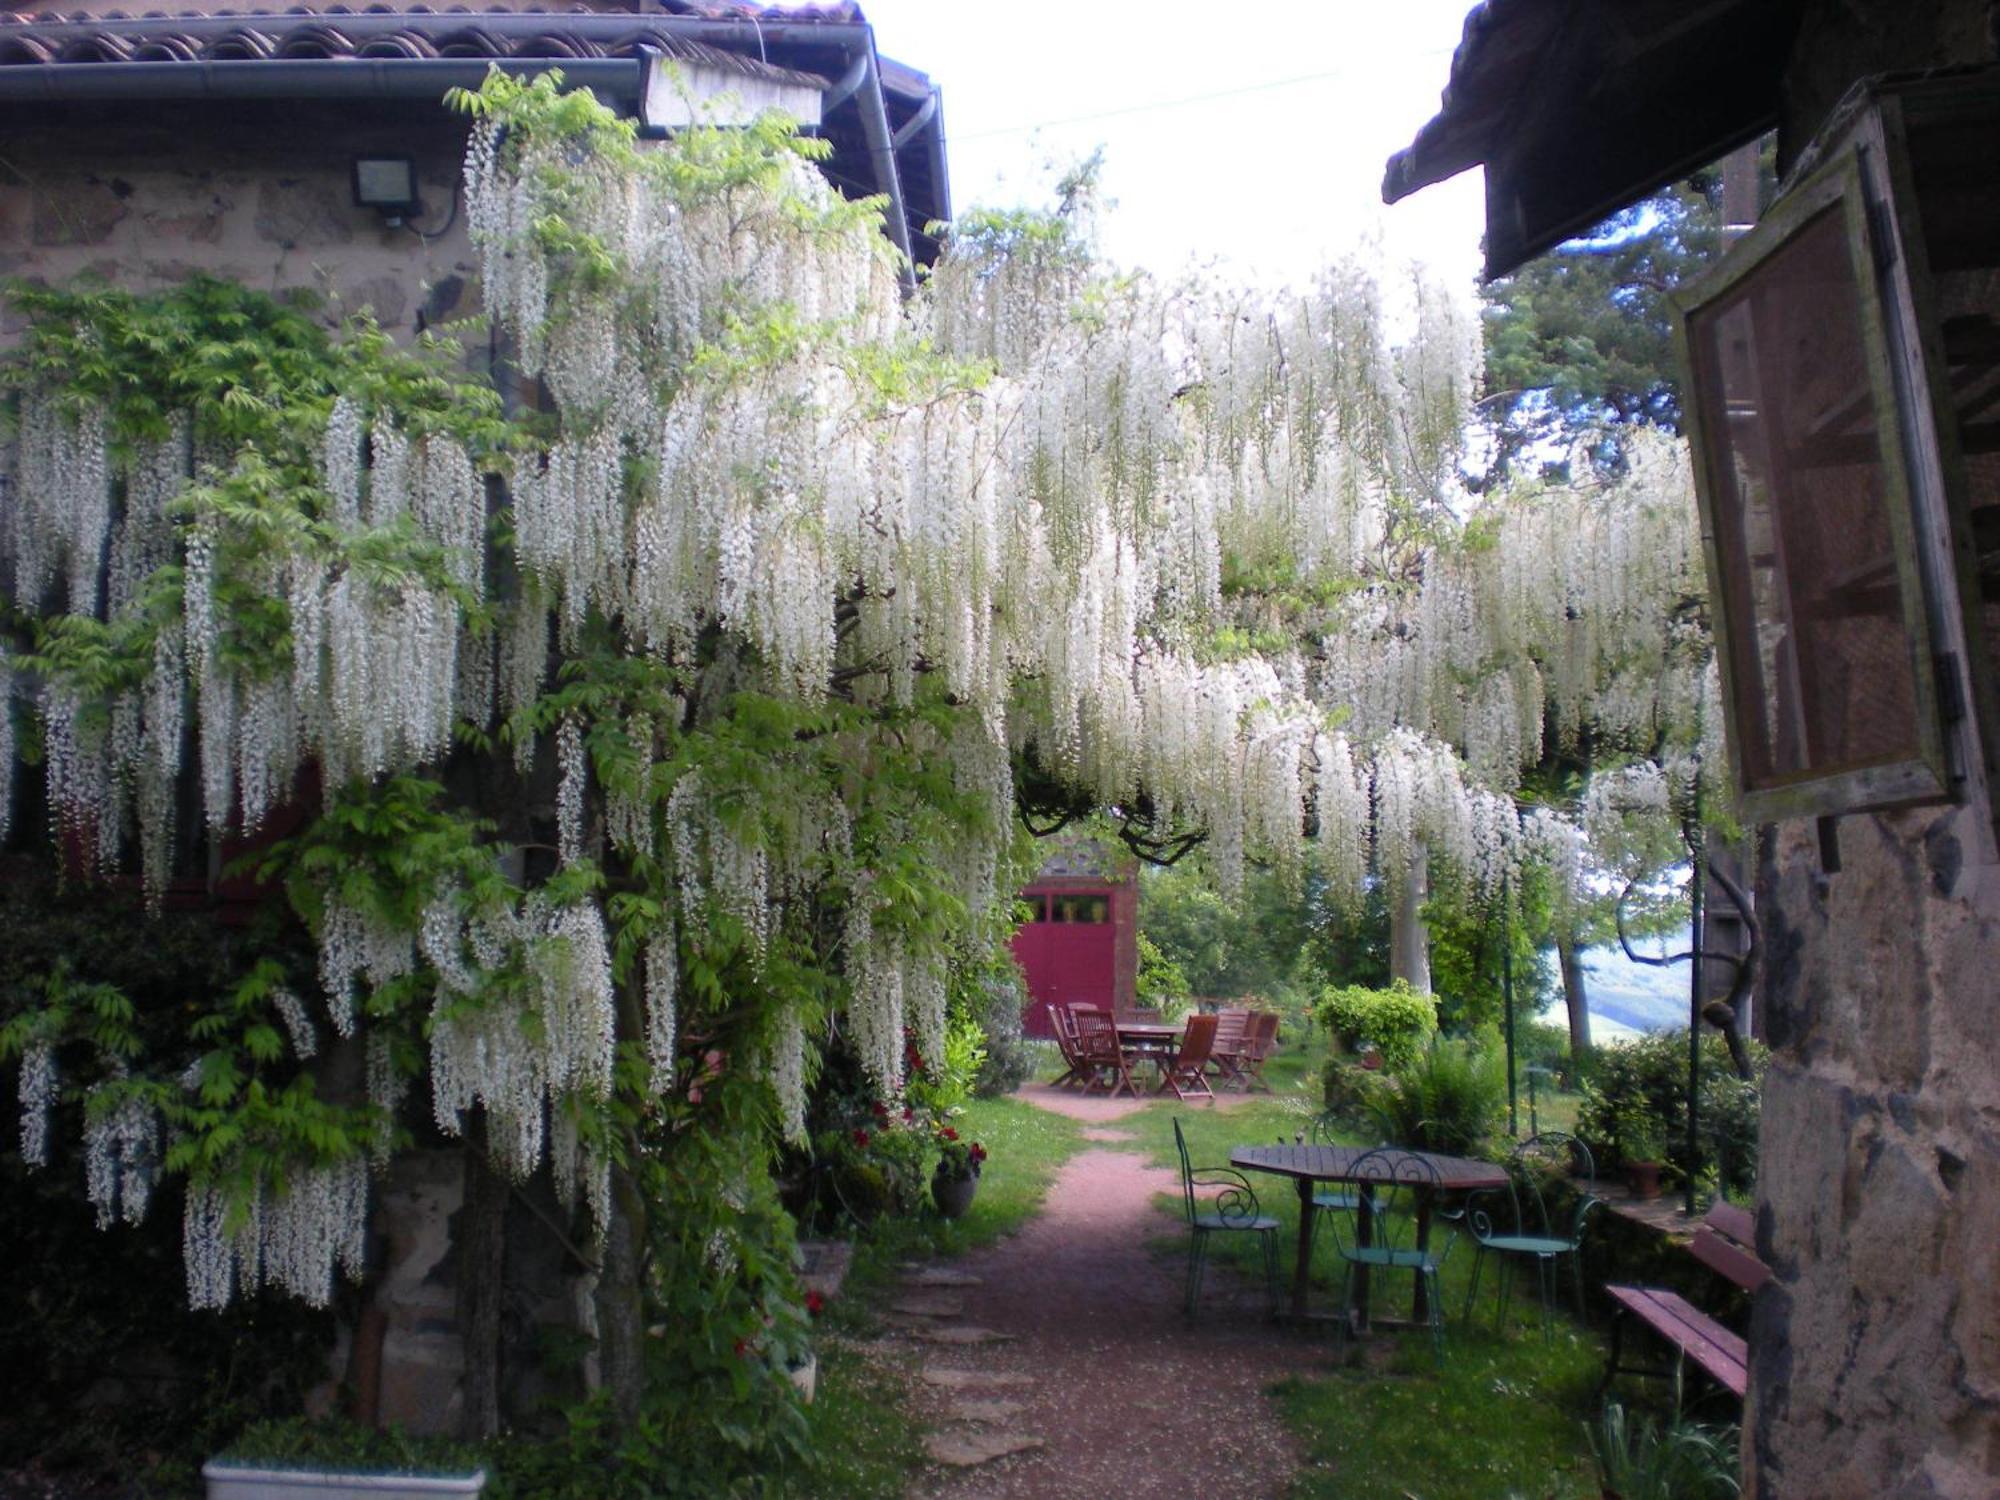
929,1305
964,1333
988,1410
973,1380
966,1450
939,1276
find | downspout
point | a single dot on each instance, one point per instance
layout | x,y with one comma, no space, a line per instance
882,147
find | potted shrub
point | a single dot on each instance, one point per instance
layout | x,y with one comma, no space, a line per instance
1641,1145
300,1460
957,1176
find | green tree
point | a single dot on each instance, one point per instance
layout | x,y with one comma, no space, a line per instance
1257,944
1579,342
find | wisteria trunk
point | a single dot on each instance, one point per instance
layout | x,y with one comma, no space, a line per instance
621,1305
482,1238
1409,935
1575,996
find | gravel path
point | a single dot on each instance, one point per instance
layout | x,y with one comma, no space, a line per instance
1091,1368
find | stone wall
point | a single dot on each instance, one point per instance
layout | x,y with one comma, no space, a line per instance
1876,1350
261,194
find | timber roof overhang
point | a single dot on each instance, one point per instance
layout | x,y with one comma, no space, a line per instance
1577,108
883,119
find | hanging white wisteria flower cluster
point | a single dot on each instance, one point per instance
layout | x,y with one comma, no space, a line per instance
293,1239
1574,608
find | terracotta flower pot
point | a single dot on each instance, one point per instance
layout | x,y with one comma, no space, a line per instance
804,1377
1643,1178
953,1195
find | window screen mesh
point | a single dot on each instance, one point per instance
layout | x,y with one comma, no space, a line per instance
1821,660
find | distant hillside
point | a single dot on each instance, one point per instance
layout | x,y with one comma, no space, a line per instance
1626,998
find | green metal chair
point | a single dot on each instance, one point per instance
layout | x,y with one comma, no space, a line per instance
1529,1219
1234,1210
1331,1198
1398,1190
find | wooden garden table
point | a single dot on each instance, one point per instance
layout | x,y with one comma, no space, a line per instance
1150,1037
1310,1165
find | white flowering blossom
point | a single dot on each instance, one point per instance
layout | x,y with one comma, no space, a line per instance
294,1239
38,1098
121,1150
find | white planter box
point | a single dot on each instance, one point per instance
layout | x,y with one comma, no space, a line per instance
243,1482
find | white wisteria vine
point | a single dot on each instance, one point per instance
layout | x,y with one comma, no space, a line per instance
771,617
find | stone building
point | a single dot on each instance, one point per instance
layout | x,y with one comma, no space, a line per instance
144,149
292,148
1875,1351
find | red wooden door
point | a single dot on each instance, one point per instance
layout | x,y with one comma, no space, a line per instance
1069,955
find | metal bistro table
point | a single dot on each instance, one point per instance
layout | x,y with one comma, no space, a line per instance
1309,1165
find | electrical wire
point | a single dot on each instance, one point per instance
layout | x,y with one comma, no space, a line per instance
1139,109
433,235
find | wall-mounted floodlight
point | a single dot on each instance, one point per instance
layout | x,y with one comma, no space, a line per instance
387,184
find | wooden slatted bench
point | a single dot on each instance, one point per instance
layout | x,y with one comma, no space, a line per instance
1723,1244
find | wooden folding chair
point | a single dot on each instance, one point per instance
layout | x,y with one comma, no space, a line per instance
1187,1071
1259,1042
1104,1061
1065,1029
1231,1028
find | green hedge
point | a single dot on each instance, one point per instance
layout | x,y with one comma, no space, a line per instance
1646,1081
1399,1021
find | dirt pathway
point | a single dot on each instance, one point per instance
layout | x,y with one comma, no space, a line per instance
1067,1345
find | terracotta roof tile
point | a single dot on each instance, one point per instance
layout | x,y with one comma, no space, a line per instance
341,31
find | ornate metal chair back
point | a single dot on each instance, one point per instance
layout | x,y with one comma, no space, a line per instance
1187,1172
1539,1171
1396,1182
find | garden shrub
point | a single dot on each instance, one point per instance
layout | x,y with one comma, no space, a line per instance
1645,1080
996,996
1398,1020
1639,1460
1448,1100
1349,1091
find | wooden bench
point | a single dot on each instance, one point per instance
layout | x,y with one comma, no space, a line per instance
1723,1244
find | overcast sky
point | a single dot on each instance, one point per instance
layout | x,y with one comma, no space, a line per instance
1253,134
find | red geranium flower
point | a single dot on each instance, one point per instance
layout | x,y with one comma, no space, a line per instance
861,1139
815,1303
948,1133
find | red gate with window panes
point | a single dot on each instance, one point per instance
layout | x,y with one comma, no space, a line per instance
1080,945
